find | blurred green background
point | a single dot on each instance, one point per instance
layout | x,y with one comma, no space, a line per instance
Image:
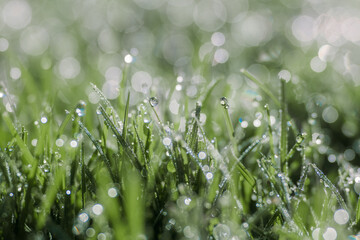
176,50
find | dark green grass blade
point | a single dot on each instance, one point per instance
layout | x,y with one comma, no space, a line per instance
126,117
261,85
133,158
331,186
283,131
100,151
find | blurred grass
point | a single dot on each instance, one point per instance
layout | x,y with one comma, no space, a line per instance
98,161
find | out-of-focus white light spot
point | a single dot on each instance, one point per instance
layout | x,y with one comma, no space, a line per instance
332,158
177,47
141,81
69,68
187,201
191,91
202,155
202,118
315,234
349,154
209,175
149,5
221,55
59,142
174,107
166,141
180,13
350,29
357,179
94,98
97,209
285,75
244,124
317,65
34,40
112,192
43,120
17,14
253,30
330,114
101,236
204,50
178,87
341,216
111,89
330,234
303,28
90,232
34,142
257,123
327,53
179,79
113,73
4,44
15,73
73,143
209,15
218,39
83,217
128,58
272,120
108,41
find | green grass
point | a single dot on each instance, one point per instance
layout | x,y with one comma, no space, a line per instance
92,175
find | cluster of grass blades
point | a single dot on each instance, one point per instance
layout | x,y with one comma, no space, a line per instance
143,178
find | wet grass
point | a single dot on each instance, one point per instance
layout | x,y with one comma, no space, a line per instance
145,178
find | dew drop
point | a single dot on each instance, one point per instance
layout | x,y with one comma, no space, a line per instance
73,143
128,58
59,142
83,217
68,192
43,120
90,232
341,216
80,109
97,209
187,201
166,141
153,101
209,175
202,155
221,232
224,102
284,75
112,192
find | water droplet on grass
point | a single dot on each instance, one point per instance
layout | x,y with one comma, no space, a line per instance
209,175
80,109
224,102
221,232
341,216
97,209
166,141
153,101
83,217
43,120
73,143
128,58
202,155
112,192
68,192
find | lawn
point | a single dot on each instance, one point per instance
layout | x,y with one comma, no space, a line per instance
168,119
